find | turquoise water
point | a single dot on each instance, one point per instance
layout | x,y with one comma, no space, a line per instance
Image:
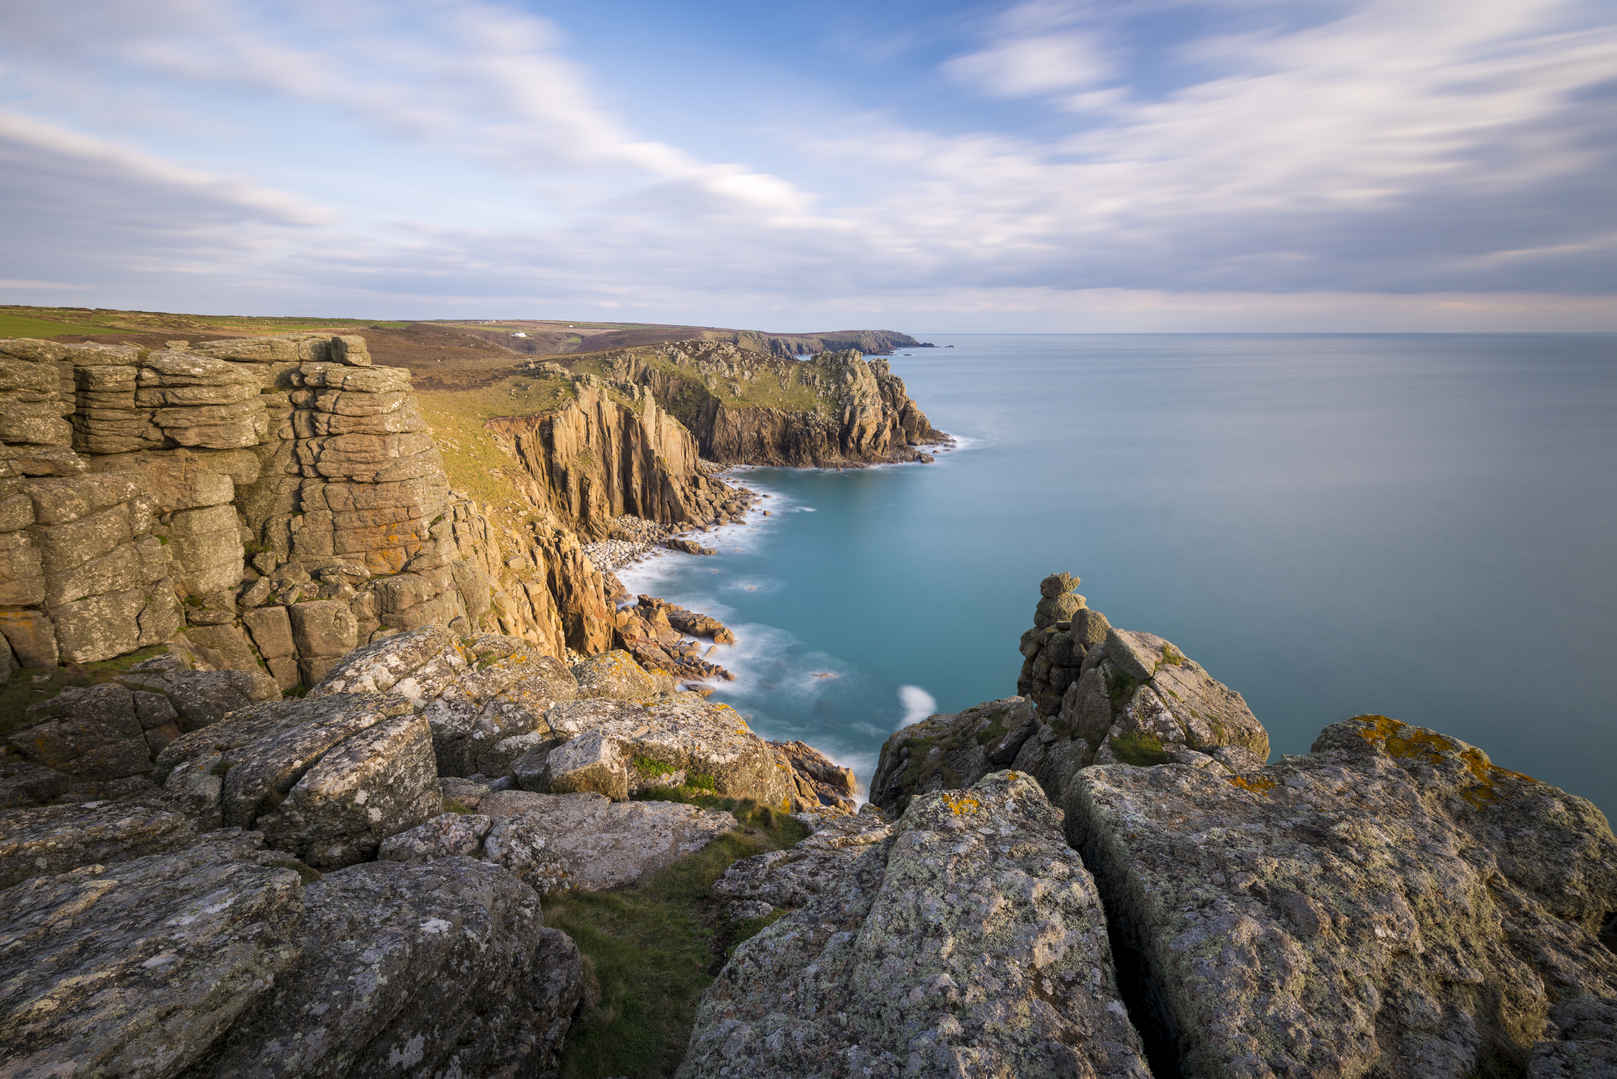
1416,525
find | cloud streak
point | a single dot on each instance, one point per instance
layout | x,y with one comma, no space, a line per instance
415,158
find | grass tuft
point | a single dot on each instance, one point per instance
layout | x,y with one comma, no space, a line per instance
654,947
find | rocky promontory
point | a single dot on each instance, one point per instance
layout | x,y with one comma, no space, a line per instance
751,407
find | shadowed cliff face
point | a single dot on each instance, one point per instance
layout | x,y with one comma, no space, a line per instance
749,407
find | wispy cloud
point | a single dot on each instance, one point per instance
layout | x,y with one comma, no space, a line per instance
417,156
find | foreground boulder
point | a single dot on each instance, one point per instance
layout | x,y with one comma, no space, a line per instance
1391,904
970,941
218,959
1093,694
326,778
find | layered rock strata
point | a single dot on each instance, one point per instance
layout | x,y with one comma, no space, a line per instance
276,502
749,407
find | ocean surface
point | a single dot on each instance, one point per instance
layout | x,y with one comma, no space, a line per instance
1422,526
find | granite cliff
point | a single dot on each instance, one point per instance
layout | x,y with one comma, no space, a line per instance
750,407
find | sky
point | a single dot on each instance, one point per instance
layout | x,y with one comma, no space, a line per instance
1232,165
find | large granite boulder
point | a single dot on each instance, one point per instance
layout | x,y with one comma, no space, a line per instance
37,842
970,941
104,738
327,778
219,960
679,739
944,752
485,698
1392,904
442,968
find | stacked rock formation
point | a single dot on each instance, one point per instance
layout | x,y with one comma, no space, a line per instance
266,502
1092,694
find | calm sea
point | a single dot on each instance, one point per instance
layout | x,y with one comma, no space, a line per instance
1422,526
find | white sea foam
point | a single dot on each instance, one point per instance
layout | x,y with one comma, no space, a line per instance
918,704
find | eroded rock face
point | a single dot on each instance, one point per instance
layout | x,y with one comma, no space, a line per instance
1390,904
969,942
950,751
326,778
218,960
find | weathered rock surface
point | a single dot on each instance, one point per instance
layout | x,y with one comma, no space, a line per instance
101,737
951,751
1390,904
441,968
554,842
821,785
745,406
36,842
970,942
681,738
484,698
327,778
218,959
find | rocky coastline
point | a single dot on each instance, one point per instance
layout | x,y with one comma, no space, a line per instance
309,756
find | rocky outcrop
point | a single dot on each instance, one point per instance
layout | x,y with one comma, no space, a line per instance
496,708
609,451
666,637
1393,903
1095,694
219,959
793,345
967,939
275,502
743,406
